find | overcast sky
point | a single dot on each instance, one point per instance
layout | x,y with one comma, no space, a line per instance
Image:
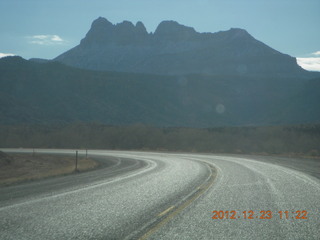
47,28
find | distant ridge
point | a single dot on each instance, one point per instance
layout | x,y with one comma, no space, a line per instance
175,49
53,93
39,60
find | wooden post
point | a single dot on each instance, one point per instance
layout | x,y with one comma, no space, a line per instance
76,169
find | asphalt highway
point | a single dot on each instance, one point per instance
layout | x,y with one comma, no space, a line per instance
109,167
248,189
140,195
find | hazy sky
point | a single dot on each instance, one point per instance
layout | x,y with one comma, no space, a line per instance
47,28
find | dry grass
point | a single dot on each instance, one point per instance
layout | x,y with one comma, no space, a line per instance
25,167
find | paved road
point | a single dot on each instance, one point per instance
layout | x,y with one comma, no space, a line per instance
242,185
110,167
161,199
105,209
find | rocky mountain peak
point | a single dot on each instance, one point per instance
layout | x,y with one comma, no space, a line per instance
239,33
103,32
126,33
101,22
140,28
172,30
125,26
99,32
175,49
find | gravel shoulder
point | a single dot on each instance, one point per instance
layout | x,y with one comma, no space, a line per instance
22,167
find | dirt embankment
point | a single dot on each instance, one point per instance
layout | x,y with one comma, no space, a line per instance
24,167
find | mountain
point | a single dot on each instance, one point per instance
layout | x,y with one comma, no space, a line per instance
51,92
39,60
174,49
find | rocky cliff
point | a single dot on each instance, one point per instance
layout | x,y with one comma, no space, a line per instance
174,49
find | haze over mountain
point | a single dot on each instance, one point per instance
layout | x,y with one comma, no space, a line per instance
46,93
174,49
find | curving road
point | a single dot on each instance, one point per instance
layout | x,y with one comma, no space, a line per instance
167,196
247,185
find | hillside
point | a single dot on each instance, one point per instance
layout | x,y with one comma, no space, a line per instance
51,92
175,49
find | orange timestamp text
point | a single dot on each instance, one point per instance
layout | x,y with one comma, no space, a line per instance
264,214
